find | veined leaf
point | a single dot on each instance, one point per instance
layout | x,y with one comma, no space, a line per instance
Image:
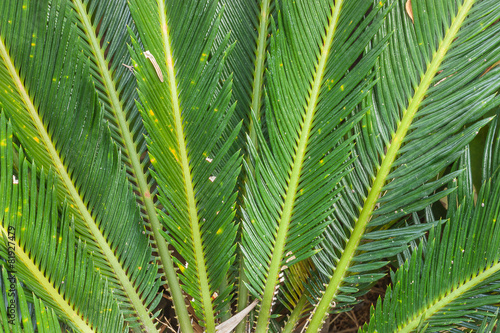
248,25
454,278
44,253
46,318
429,94
57,117
103,29
186,115
310,98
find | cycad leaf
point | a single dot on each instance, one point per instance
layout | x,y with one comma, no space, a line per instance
47,93
44,253
310,98
429,92
186,111
248,26
454,279
102,27
247,22
11,320
104,36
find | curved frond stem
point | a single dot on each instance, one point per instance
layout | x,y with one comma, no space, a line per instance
385,167
260,61
86,215
256,105
291,193
442,303
296,313
193,215
65,307
138,174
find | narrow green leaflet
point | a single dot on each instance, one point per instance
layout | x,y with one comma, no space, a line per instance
312,91
453,280
46,319
248,23
42,251
47,92
186,110
425,107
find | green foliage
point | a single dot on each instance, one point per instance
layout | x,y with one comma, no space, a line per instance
230,153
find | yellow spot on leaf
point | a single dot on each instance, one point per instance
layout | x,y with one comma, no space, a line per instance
151,112
6,209
219,231
33,44
342,87
36,139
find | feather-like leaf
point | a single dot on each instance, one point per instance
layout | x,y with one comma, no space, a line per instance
311,95
186,117
47,93
454,278
41,249
425,109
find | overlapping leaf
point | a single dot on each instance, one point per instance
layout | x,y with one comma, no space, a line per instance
425,108
186,111
43,252
310,99
452,281
57,118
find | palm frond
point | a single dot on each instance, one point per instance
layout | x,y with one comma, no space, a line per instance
47,93
452,281
247,22
44,319
425,109
43,252
248,26
185,119
103,31
312,92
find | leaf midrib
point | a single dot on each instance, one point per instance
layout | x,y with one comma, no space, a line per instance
186,172
385,168
291,192
112,260
45,284
453,295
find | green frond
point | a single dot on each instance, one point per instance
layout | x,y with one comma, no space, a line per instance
247,23
12,321
186,111
46,91
312,91
248,26
453,280
102,27
425,108
40,248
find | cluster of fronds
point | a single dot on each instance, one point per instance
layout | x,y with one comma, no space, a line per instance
258,163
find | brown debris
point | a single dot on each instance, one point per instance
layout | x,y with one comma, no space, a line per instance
409,10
